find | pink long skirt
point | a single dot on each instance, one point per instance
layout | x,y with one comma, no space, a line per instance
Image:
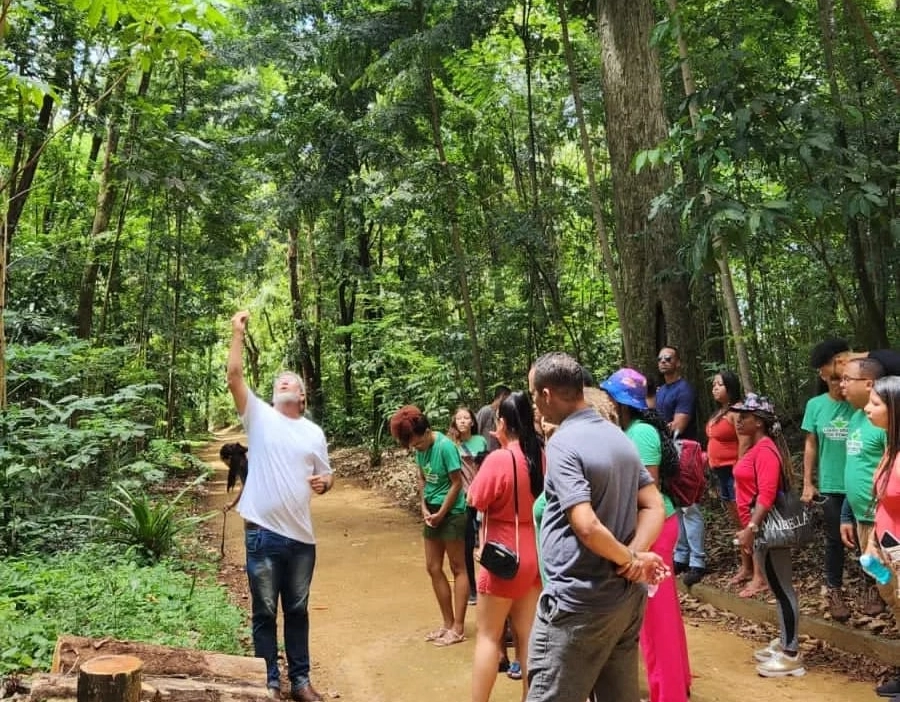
663,641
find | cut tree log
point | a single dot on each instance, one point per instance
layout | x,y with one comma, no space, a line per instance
73,651
110,679
63,688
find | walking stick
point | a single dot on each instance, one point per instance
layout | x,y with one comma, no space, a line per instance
224,521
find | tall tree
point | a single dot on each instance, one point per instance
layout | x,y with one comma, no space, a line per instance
655,290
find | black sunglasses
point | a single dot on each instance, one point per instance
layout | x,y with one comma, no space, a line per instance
666,359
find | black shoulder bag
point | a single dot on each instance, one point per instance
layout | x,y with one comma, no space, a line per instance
498,558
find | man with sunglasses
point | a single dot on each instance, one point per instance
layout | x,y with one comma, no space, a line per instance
676,403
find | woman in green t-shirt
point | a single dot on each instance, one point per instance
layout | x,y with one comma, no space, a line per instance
443,505
662,640
472,448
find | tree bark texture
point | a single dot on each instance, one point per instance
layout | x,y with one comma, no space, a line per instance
603,238
654,289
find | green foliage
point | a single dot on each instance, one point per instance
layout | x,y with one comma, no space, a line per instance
97,592
149,526
237,124
64,446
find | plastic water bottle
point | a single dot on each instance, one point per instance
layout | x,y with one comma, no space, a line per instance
875,568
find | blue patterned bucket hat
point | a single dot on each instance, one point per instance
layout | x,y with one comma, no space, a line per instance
627,387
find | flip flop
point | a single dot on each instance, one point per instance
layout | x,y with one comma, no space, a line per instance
436,634
739,579
449,638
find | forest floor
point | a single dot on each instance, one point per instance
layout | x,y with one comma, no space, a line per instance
372,603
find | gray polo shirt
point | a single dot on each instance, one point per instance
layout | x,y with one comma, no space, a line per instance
588,460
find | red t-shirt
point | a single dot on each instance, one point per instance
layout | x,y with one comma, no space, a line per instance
757,478
722,448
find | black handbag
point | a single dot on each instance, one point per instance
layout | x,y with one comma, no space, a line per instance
789,523
498,558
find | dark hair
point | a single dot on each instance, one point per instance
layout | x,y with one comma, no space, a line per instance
559,371
871,368
516,412
889,359
452,431
888,390
500,392
772,429
407,422
824,351
235,457
732,385
586,378
669,462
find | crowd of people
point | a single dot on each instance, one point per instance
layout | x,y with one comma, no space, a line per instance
563,494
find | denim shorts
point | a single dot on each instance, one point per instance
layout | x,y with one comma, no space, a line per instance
725,479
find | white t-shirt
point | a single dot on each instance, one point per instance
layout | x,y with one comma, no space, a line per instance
283,454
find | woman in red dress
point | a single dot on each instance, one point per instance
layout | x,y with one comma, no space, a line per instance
492,493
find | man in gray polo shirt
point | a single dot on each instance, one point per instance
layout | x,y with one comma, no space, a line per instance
603,512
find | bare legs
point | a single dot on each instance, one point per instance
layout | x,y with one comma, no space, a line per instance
452,602
491,617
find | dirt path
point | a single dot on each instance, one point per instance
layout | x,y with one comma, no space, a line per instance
371,604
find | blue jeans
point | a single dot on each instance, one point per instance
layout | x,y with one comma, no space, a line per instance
691,531
280,567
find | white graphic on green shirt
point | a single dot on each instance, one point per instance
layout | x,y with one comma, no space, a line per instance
855,442
836,430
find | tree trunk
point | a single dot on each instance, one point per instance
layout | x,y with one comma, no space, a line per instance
720,247
106,199
655,292
303,355
72,651
459,253
172,387
871,317
20,184
609,262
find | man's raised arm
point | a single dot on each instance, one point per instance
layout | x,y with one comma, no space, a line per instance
235,368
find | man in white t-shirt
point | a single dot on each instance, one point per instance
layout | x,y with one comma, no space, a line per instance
288,461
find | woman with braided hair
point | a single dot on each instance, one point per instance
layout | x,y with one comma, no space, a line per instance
761,473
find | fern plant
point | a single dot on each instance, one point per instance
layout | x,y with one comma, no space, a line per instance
150,527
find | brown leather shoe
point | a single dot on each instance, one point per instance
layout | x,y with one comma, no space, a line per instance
306,694
872,603
836,605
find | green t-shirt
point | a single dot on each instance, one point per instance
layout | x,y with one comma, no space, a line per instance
540,504
474,445
828,420
645,437
866,444
436,464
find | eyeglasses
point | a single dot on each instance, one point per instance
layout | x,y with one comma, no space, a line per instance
847,378
664,358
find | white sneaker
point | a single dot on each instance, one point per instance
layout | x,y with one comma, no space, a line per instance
765,654
781,665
